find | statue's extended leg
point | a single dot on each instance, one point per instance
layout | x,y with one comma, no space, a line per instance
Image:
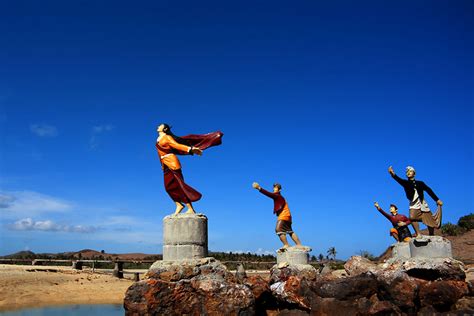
190,208
284,240
416,227
179,207
394,234
415,216
431,231
295,239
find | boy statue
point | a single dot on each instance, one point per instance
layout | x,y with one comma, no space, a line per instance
281,209
400,223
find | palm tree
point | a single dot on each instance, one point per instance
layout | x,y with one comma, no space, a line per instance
332,252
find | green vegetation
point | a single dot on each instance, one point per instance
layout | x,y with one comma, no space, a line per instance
465,224
251,261
368,255
332,252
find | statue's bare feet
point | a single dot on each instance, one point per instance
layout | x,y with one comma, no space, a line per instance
190,211
179,208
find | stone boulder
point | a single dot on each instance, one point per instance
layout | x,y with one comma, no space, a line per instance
205,287
192,287
281,272
398,288
293,291
352,287
430,269
357,265
442,295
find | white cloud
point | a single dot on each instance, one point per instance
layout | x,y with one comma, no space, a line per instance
96,132
122,220
261,251
44,130
102,128
48,225
29,203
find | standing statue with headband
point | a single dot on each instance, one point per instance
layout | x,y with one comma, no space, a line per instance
419,209
169,146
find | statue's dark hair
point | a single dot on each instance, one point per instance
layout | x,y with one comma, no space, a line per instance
394,206
278,185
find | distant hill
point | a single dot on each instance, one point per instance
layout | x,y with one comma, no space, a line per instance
462,245
84,254
21,255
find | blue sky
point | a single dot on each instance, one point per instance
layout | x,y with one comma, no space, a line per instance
321,97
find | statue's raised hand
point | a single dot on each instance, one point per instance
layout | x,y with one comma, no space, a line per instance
255,185
196,151
390,170
376,204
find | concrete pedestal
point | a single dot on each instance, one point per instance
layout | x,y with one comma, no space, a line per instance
184,237
401,250
293,255
430,247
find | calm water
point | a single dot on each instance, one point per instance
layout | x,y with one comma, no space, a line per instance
70,310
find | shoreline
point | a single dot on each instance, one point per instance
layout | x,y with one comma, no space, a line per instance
28,287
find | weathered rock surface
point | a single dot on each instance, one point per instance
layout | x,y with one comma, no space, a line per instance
353,287
430,269
205,287
357,265
192,287
280,272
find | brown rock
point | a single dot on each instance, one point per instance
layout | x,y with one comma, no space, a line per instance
399,288
465,306
363,285
264,300
206,296
442,295
257,285
357,265
192,288
281,274
294,291
330,306
173,272
378,307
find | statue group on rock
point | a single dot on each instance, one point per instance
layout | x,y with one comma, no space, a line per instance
169,146
418,208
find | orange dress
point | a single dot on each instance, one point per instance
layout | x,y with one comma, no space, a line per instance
168,149
175,186
165,146
280,207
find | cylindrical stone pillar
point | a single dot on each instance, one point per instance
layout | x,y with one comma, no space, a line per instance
293,255
118,270
184,237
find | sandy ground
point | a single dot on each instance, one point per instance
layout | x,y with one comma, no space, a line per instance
36,286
